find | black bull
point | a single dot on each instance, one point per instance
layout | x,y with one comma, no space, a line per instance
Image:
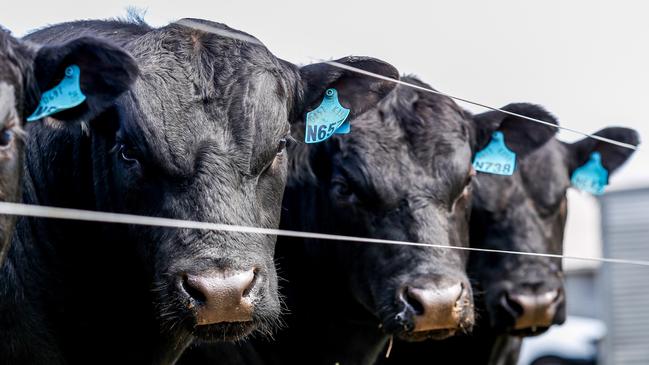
200,136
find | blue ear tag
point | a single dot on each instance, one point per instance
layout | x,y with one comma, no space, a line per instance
496,158
67,94
344,128
326,119
591,177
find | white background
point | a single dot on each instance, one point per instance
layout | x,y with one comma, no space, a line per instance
585,60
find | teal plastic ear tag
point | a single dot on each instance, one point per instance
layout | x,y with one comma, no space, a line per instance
344,128
496,158
67,94
591,177
326,119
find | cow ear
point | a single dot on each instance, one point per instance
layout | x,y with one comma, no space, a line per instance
521,136
356,92
105,72
612,156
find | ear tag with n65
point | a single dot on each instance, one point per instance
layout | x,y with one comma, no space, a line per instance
67,94
326,119
496,158
592,176
344,128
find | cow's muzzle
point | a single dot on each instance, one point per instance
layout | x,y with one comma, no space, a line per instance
219,296
435,312
532,312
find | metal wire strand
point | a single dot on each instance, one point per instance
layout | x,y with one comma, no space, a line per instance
367,73
19,209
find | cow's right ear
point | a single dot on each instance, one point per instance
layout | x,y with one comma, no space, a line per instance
356,91
105,72
521,136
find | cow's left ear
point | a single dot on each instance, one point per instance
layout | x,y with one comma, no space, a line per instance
356,92
521,135
105,72
612,156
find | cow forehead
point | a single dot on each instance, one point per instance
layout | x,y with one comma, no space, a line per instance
237,105
545,174
388,153
540,178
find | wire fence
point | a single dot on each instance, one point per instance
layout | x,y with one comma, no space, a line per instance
19,209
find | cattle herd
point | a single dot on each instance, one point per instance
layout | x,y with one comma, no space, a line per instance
188,123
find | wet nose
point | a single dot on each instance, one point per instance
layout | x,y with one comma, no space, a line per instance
220,296
438,309
532,310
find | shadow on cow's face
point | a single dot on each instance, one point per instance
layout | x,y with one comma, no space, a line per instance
524,295
402,174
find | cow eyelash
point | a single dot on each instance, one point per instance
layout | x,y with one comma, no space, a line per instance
125,153
288,141
468,181
467,185
281,146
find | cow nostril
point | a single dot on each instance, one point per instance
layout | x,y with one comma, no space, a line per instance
413,302
251,285
511,305
558,296
461,297
193,292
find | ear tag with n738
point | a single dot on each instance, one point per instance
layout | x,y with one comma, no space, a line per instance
496,158
591,177
67,94
326,119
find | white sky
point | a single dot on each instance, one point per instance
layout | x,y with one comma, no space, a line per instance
585,60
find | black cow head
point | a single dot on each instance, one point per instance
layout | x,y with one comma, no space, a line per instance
527,212
27,72
403,174
201,136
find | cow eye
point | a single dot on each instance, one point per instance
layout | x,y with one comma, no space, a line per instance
127,154
465,191
281,146
6,136
340,188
